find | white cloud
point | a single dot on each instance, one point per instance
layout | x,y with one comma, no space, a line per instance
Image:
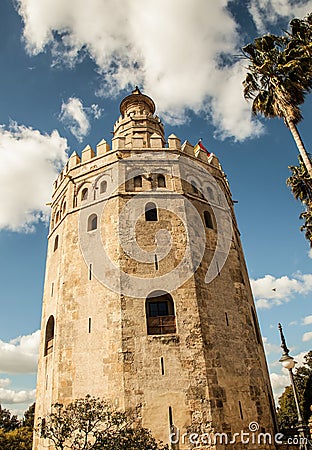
75,118
8,396
279,382
95,110
4,382
181,51
307,336
20,355
270,291
27,155
270,348
267,12
307,320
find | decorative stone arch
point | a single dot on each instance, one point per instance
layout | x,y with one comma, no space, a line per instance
160,313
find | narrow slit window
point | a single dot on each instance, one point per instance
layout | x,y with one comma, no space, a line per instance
92,222
240,410
161,181
89,325
208,220
90,271
56,242
52,289
170,418
162,366
151,212
156,262
226,319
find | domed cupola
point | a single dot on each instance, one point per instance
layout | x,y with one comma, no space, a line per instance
138,121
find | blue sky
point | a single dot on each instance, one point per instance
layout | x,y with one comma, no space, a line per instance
65,66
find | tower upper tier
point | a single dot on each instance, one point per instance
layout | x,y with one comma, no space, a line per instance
137,120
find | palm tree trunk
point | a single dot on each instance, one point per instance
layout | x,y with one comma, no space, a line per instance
304,155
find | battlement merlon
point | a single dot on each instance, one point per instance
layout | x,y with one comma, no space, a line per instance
104,154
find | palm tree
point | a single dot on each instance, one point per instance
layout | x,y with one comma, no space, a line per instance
300,183
279,76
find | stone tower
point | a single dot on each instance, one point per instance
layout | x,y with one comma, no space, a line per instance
147,298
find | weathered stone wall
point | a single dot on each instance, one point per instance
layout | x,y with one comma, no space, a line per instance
212,372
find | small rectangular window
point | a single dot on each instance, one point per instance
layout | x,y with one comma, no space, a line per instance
89,324
52,289
90,272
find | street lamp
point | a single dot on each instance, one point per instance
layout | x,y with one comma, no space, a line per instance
289,363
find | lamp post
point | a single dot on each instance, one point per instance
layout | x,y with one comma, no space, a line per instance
289,363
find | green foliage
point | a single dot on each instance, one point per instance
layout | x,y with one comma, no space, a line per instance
29,417
91,423
286,412
300,183
279,76
8,422
20,438
16,434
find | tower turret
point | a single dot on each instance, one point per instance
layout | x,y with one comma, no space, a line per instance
137,122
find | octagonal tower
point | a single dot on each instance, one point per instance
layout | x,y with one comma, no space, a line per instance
147,298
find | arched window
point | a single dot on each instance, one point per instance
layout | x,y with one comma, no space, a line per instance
151,212
84,194
161,181
64,207
57,217
92,222
137,181
56,242
49,336
103,186
160,315
208,219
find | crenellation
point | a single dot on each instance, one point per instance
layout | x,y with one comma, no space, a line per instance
156,141
174,142
187,148
87,154
102,148
74,160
